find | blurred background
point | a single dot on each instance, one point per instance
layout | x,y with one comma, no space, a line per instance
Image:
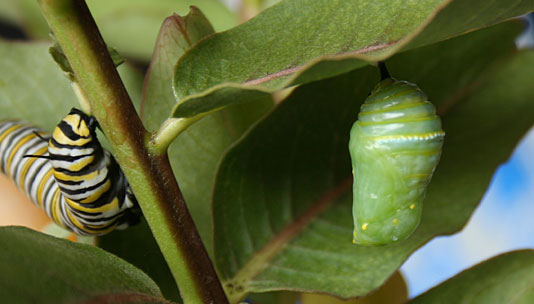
501,223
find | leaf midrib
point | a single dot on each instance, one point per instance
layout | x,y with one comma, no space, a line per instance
261,258
289,71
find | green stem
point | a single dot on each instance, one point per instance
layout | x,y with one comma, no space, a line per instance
170,129
150,175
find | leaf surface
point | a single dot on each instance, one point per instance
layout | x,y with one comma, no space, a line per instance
299,41
507,278
177,34
40,268
282,198
393,291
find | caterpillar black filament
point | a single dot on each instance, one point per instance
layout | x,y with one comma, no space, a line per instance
69,175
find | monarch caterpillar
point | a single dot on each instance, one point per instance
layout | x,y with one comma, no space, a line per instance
68,174
395,145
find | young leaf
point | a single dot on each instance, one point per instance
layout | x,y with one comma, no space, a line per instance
176,36
59,57
195,153
40,268
298,41
507,278
282,199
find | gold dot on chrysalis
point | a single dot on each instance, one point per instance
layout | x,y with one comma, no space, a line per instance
395,221
364,226
352,171
412,206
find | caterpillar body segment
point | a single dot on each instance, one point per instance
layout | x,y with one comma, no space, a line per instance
68,174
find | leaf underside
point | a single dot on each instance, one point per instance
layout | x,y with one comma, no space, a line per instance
299,41
282,199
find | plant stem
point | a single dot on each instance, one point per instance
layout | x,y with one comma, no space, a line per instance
150,176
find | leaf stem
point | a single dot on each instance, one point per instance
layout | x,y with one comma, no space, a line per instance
150,175
169,130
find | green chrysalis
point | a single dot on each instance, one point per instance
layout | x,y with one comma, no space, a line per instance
395,145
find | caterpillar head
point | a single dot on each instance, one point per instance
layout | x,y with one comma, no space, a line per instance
73,138
77,124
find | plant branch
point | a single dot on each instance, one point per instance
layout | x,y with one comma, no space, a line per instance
150,176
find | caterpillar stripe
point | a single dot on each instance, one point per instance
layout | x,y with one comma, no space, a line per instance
395,146
79,185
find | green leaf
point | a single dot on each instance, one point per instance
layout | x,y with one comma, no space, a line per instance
59,57
40,268
195,153
282,198
176,36
299,41
507,278
36,90
218,98
393,291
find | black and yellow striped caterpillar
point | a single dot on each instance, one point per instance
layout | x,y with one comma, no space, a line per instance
68,174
